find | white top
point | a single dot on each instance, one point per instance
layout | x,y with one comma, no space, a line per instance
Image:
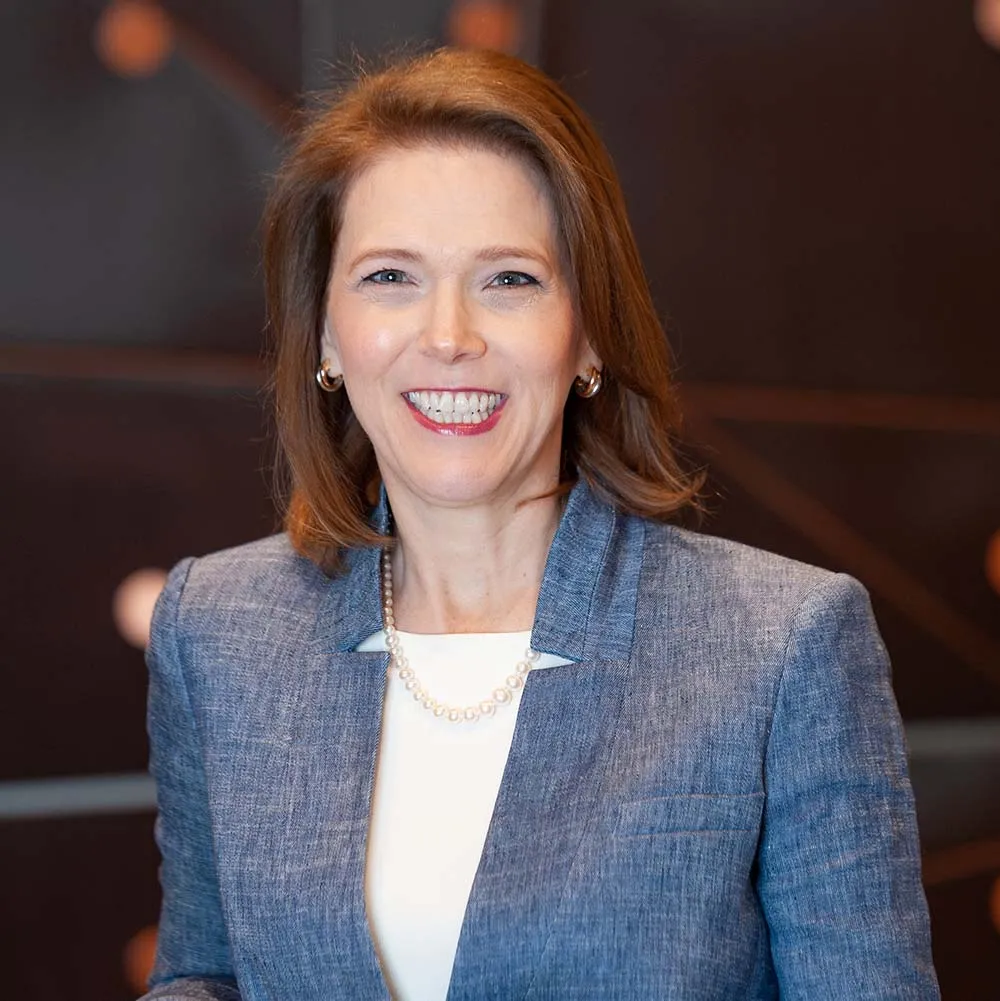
435,787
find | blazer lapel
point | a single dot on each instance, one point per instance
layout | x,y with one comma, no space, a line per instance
554,777
559,762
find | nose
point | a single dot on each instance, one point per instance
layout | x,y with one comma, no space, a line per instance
449,335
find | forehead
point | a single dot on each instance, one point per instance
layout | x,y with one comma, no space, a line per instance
450,195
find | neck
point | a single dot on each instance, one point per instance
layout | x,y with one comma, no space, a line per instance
471,570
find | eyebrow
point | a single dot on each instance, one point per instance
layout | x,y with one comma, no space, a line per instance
486,254
496,253
396,253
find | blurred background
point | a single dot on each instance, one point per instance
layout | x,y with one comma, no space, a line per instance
815,187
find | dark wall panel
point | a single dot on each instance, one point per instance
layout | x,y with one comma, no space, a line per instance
75,892
813,184
109,478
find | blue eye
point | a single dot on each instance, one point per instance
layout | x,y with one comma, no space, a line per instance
513,279
386,276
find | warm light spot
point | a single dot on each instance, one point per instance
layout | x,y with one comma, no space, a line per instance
132,607
133,37
995,904
987,18
485,24
993,561
138,958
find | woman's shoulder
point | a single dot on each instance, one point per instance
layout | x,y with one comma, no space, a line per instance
263,576
736,603
723,572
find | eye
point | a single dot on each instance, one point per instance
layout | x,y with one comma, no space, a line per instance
513,279
386,276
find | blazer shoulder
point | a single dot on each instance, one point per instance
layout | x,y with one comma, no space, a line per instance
737,576
259,579
722,602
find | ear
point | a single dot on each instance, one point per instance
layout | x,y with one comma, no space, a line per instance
588,358
328,349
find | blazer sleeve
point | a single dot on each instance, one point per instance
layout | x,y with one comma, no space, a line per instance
193,958
839,861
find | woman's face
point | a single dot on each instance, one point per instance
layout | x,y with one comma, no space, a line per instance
452,320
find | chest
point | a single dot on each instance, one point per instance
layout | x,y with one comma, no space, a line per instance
625,824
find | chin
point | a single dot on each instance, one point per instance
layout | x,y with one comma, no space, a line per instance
454,487
475,477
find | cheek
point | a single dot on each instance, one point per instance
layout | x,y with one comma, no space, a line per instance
557,350
362,352
368,346
545,339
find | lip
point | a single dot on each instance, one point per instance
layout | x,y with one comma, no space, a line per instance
451,389
456,430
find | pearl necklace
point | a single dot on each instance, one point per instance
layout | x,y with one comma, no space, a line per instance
499,697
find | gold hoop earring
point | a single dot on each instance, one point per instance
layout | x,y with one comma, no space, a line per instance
588,385
328,382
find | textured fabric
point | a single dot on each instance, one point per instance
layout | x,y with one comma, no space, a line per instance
711,804
436,784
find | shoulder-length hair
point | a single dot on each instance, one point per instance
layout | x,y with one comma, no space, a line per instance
621,441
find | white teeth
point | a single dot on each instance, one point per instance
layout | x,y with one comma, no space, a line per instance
447,407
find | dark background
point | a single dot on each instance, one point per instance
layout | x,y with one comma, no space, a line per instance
814,187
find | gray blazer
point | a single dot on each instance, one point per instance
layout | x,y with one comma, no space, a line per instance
710,803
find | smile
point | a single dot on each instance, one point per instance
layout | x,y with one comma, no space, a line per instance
465,408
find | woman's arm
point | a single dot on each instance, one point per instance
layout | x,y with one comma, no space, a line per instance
192,956
839,862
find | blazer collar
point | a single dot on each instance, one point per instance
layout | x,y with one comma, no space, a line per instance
586,607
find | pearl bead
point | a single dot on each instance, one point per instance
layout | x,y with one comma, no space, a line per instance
501,696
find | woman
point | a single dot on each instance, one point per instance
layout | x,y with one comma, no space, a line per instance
546,746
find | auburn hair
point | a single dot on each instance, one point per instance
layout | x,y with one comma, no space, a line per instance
621,441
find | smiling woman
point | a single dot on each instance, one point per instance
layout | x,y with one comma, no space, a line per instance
408,126
483,723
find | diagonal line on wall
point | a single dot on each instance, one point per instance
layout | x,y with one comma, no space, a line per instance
845,409
231,76
849,548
